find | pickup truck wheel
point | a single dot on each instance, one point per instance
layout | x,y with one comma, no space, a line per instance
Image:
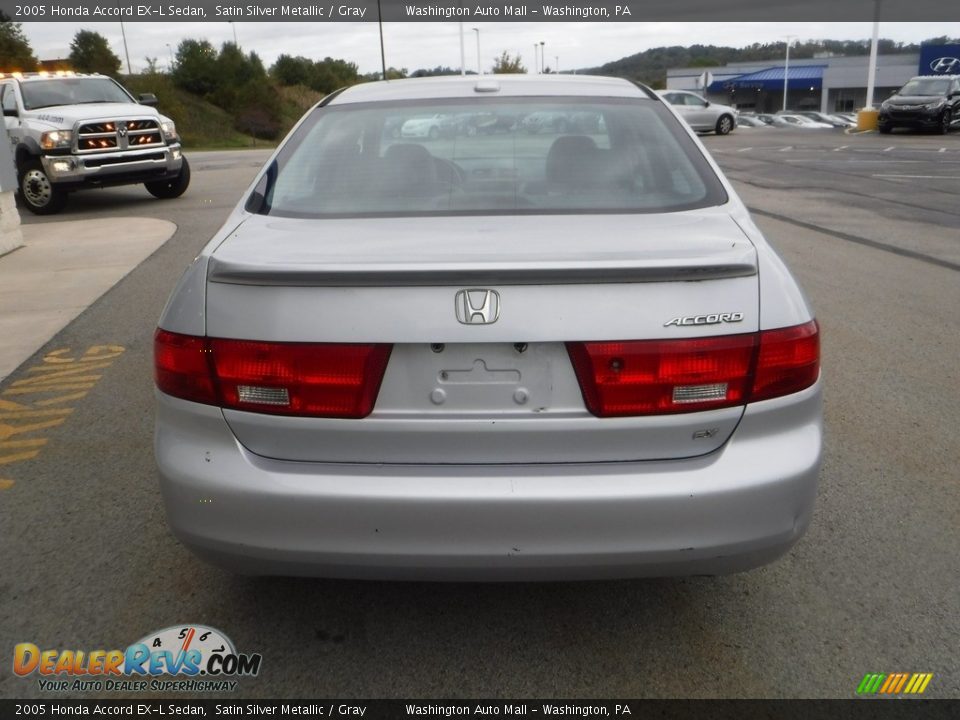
40,196
174,188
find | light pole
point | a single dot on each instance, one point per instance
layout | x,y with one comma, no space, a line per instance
479,65
383,54
126,50
234,26
536,63
170,50
872,71
786,70
542,50
463,62
556,63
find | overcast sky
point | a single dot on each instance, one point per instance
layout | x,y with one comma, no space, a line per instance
426,45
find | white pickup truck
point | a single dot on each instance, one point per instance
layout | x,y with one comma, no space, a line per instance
70,131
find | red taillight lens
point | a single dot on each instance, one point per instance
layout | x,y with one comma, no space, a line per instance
655,377
181,367
305,379
789,361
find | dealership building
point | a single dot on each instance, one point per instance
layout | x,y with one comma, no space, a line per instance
827,84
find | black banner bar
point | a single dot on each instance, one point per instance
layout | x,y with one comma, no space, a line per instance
858,709
481,11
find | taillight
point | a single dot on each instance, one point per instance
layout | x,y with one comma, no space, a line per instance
306,379
789,361
656,377
181,367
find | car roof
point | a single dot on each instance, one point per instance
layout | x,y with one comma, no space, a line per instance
470,86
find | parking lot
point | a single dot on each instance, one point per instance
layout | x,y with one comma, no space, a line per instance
871,227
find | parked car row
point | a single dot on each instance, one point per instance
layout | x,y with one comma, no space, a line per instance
447,126
800,119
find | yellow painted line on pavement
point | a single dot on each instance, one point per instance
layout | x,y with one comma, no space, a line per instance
59,378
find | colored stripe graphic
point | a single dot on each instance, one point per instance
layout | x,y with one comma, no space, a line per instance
894,683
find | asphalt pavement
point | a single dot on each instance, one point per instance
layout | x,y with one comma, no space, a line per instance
869,224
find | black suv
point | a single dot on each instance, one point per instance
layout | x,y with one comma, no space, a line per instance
926,102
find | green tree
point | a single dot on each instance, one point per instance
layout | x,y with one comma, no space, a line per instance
196,67
332,74
90,52
15,50
507,64
289,70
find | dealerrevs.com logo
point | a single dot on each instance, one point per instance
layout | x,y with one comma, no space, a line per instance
182,658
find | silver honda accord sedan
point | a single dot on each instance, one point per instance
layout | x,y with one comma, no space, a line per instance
491,354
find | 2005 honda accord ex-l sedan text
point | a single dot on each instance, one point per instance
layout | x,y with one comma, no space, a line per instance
489,354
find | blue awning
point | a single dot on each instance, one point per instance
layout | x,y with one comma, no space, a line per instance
800,77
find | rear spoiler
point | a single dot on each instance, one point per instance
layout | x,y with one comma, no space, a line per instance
738,263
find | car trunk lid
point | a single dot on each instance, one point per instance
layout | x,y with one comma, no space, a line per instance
497,392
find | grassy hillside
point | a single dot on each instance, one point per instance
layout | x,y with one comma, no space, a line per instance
203,125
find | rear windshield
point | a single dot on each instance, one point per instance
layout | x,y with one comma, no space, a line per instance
71,91
490,156
926,86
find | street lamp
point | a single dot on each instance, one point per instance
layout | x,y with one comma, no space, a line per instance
463,62
556,63
170,50
786,70
542,50
234,26
536,65
479,65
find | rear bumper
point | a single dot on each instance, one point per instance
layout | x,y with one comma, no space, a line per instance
737,508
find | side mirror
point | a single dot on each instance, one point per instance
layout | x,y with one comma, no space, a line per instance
706,103
148,99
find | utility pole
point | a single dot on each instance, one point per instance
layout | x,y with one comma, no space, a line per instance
536,62
463,61
542,51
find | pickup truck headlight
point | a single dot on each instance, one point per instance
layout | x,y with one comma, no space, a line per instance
936,104
56,139
169,130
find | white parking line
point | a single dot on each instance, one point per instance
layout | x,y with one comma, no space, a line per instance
788,148
744,149
892,147
842,147
921,177
942,150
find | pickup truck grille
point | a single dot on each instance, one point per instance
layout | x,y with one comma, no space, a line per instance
118,135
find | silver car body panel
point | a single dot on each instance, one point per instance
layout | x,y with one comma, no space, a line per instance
481,486
739,507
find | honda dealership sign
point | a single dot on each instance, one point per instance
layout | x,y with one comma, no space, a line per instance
939,60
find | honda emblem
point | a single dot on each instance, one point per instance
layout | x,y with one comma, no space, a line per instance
477,306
